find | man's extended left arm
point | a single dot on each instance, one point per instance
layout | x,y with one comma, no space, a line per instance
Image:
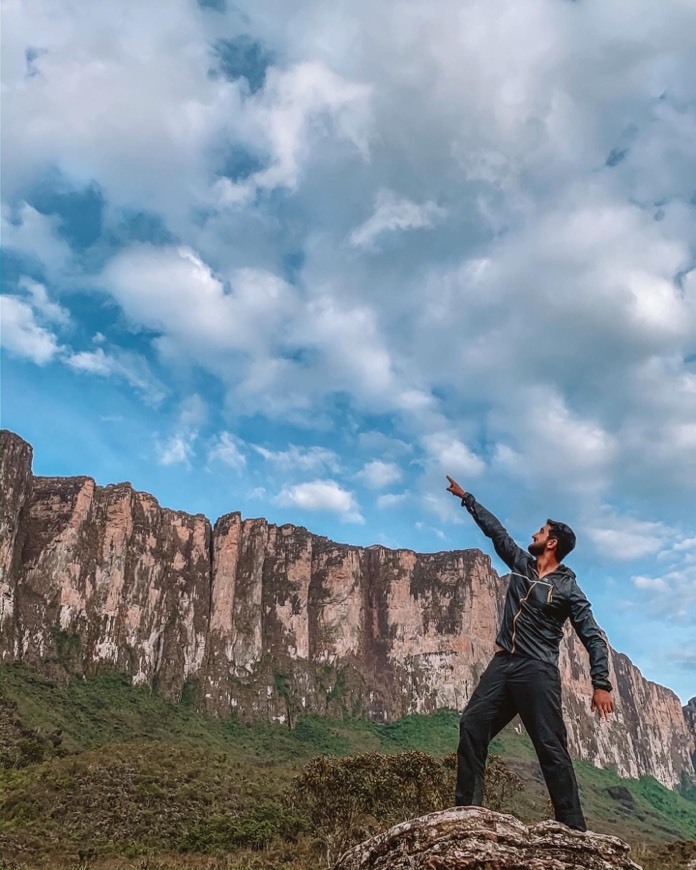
592,639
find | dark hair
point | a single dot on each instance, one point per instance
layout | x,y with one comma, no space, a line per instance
565,537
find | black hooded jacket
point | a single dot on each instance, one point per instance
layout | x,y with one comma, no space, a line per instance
537,608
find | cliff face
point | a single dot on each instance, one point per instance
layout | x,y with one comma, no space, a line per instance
690,716
269,621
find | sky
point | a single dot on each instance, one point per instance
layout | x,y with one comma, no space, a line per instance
303,259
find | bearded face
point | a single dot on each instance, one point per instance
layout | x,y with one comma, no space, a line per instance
536,548
539,541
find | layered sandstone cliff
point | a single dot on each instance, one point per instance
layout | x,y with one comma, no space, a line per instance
270,621
690,716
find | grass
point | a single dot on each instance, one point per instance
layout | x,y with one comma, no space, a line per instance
132,779
134,798
108,709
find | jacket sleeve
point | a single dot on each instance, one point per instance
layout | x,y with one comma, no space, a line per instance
514,557
591,636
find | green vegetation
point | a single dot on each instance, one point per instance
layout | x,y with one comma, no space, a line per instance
67,647
346,800
100,773
107,709
689,793
669,856
436,733
635,809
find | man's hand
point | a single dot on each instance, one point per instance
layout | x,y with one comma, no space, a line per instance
602,702
455,488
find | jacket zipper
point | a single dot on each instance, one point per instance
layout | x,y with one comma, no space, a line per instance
517,615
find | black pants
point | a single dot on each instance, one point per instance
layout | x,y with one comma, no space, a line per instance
514,684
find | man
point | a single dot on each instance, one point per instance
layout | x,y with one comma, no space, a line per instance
523,675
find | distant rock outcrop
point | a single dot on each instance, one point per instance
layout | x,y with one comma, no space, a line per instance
272,621
468,838
690,716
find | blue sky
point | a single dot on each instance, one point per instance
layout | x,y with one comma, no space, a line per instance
301,260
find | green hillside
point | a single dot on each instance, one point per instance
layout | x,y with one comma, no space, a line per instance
102,774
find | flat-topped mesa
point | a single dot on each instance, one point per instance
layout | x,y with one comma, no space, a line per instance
272,621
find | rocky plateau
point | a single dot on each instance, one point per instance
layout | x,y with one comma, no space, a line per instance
258,620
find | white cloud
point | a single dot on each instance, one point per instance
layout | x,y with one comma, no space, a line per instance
50,311
423,527
28,323
670,596
176,450
656,584
193,411
442,505
395,213
625,538
173,291
154,69
93,362
551,442
179,447
451,455
227,448
287,114
378,474
351,346
300,459
22,335
322,495
391,499
35,235
686,545
117,362
667,588
374,441
341,121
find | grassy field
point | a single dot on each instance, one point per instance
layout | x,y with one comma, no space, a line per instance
100,774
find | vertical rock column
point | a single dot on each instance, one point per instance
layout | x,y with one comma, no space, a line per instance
234,641
441,618
108,577
16,483
259,646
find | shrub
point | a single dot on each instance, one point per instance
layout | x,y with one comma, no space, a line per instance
254,830
346,800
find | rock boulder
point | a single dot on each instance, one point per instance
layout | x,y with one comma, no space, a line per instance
474,838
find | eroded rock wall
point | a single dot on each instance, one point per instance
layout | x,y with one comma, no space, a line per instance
362,630
16,488
268,621
690,716
107,576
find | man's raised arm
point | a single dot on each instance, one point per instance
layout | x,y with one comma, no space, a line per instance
514,557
